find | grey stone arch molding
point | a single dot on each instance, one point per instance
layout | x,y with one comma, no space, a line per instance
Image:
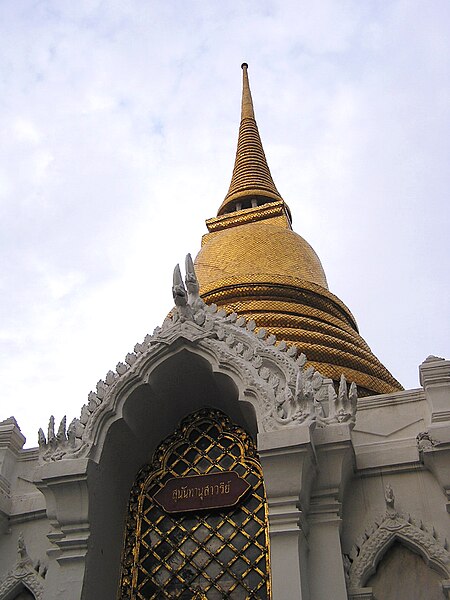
199,357
24,576
364,558
87,482
271,377
88,490
147,413
11,587
267,374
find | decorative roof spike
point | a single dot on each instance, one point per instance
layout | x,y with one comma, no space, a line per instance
42,439
51,430
251,183
178,290
247,111
193,286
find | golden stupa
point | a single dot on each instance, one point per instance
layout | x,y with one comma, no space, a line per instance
252,263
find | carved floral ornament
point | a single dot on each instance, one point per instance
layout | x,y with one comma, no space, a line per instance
288,393
24,574
425,441
363,558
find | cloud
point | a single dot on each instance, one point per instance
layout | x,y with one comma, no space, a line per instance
118,125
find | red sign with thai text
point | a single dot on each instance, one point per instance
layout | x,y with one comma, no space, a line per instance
201,492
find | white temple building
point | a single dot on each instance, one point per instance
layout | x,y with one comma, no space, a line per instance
251,447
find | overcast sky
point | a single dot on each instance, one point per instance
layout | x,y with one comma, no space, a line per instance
118,128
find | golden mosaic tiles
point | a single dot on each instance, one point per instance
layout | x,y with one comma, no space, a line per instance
277,212
309,317
258,248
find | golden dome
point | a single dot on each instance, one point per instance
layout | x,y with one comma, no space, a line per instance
258,248
252,263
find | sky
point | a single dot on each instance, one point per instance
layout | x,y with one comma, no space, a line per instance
118,130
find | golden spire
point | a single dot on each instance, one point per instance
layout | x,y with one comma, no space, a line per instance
247,111
251,183
252,263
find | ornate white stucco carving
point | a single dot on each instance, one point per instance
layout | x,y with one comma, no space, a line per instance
24,573
425,441
287,394
364,556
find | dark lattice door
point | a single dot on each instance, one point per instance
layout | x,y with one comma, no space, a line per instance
213,554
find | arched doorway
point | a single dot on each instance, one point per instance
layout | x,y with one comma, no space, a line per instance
24,594
209,537
402,573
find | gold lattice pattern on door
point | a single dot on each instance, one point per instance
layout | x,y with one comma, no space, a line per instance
211,554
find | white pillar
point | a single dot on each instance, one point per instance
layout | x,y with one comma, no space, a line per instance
287,458
335,458
64,485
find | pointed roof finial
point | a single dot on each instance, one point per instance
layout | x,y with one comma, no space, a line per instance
251,182
247,111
